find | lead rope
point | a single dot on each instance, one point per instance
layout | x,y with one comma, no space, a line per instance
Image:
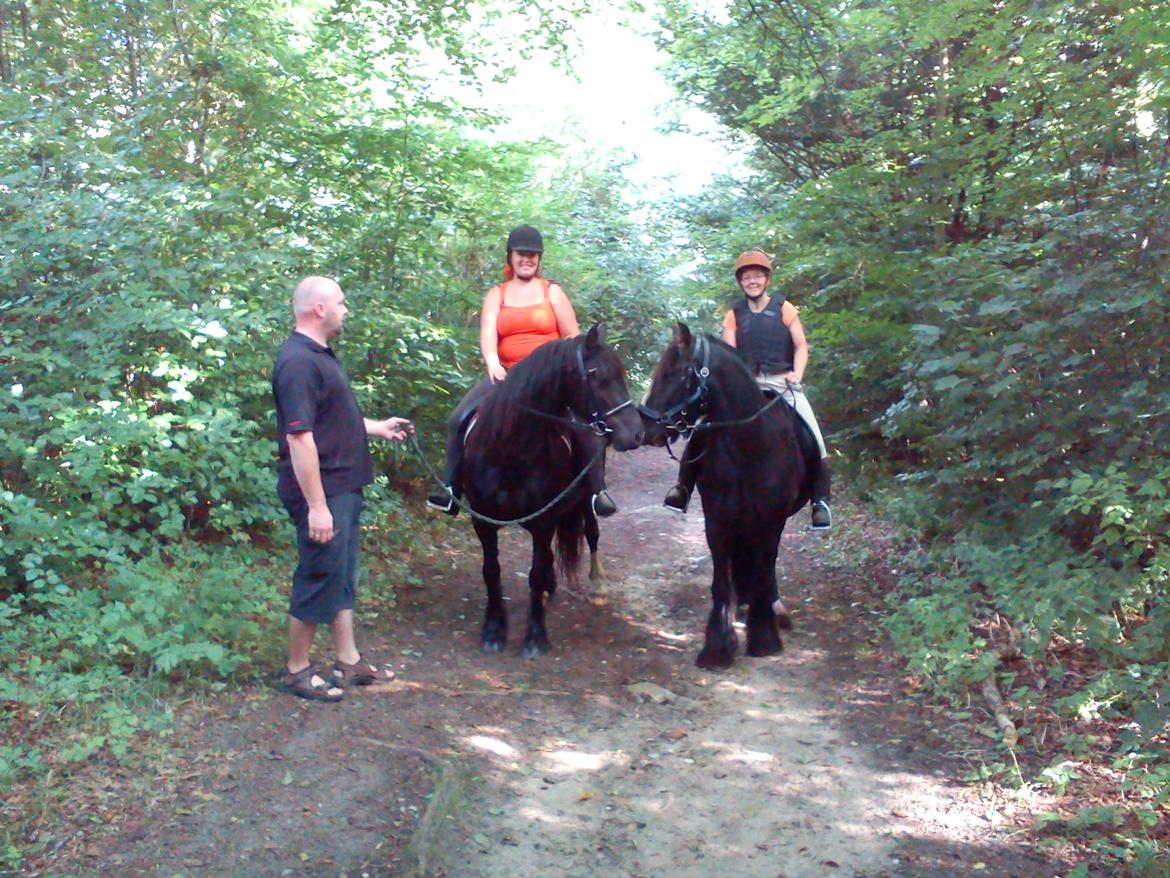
412,440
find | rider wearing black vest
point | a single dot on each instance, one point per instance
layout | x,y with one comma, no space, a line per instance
762,337
768,334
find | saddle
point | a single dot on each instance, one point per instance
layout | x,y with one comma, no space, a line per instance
805,439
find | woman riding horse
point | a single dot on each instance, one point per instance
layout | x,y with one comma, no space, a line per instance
520,315
768,334
520,468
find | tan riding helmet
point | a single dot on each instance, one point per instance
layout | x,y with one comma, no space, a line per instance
753,259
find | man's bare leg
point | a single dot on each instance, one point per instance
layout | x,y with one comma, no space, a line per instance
343,643
300,642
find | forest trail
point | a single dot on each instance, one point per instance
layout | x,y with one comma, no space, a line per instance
612,756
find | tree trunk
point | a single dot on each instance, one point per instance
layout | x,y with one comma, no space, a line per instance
5,64
132,65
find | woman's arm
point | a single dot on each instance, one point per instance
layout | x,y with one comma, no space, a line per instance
489,339
563,308
799,350
729,328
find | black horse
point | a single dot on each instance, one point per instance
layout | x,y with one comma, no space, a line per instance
518,460
752,476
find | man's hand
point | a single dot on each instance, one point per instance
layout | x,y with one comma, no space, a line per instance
320,523
394,429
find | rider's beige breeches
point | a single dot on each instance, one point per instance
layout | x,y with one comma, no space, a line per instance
794,394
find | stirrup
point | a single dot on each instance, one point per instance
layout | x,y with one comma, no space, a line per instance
678,498
821,515
444,502
603,505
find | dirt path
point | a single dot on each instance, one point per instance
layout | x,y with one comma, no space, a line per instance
613,756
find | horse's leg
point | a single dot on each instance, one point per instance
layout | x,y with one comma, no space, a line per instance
763,638
541,581
719,642
597,574
782,618
495,617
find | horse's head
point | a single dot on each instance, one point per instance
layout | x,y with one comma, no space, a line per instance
604,400
678,389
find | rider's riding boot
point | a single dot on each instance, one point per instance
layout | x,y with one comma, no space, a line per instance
678,498
822,517
444,501
603,505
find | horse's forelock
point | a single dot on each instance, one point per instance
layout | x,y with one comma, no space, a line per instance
608,362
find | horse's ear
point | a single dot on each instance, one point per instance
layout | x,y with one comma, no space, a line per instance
596,335
683,340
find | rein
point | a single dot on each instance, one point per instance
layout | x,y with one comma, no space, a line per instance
524,519
596,424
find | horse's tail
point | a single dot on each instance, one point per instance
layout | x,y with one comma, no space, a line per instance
570,532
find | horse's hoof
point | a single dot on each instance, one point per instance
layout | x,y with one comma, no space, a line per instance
764,642
493,646
714,660
599,600
534,650
784,622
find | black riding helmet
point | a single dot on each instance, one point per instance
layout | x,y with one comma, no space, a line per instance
525,239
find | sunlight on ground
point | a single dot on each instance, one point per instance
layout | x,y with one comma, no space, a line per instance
492,745
567,761
737,753
729,686
540,815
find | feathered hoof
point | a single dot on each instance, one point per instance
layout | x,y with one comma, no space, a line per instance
495,637
714,659
764,640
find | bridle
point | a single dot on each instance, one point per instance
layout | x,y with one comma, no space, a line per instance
679,416
597,418
596,421
690,415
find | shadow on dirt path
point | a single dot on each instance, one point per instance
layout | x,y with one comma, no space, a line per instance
612,756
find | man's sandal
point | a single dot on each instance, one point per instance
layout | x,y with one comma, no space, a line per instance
360,673
301,685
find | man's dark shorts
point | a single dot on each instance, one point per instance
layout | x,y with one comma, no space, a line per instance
327,573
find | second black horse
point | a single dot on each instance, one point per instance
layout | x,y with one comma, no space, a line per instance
752,477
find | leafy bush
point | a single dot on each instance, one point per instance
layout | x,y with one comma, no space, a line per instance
86,658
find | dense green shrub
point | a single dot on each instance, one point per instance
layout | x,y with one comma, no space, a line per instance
968,200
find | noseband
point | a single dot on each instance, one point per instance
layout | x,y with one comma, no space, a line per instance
679,416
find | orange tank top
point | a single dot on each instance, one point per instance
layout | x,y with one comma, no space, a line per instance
522,329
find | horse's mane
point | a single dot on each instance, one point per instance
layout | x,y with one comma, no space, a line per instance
538,381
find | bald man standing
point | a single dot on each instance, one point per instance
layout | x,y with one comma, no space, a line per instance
324,465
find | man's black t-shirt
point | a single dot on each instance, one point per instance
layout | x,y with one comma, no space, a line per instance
312,392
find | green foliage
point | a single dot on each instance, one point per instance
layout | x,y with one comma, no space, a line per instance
968,201
86,659
167,173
